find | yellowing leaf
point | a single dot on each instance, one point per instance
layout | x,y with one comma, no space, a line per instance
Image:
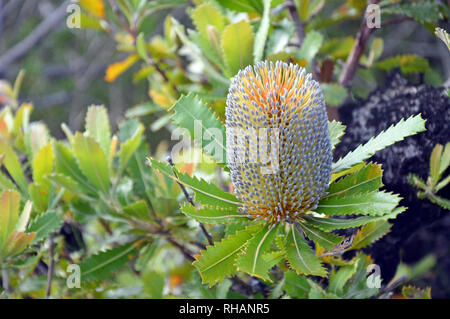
117,68
96,7
162,98
9,216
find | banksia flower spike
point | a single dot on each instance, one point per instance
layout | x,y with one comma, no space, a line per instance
278,147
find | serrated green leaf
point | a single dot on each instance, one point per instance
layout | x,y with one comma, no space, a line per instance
213,215
130,146
366,179
324,239
66,164
373,203
92,161
335,130
44,225
340,278
261,35
205,129
205,193
357,288
97,126
300,256
445,203
237,45
273,258
329,224
251,261
394,133
370,233
219,261
101,265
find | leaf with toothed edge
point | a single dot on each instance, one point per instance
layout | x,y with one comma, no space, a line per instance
204,128
394,133
329,224
366,179
92,161
373,204
324,239
340,278
274,257
251,261
336,130
205,193
370,233
213,215
101,265
300,256
44,225
218,262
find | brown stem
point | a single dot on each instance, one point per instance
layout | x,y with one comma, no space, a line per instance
191,201
122,19
351,64
186,252
299,28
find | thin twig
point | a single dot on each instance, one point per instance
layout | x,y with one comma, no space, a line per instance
51,267
191,201
186,252
299,28
391,286
352,62
122,19
34,38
